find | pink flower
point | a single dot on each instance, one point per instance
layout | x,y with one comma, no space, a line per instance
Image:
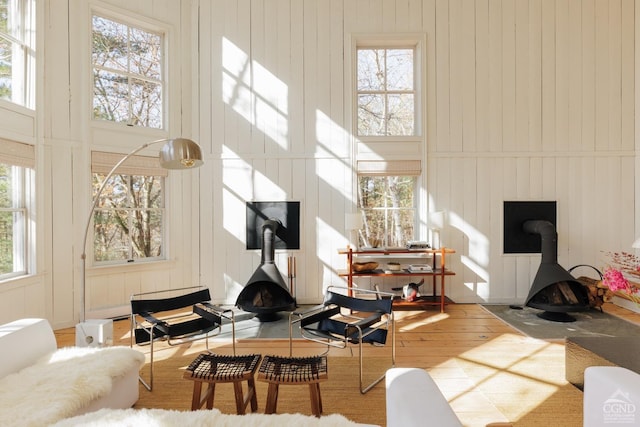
615,281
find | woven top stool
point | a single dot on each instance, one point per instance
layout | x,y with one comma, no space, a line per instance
293,371
214,368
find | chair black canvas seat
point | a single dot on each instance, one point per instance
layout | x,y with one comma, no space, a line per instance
176,319
335,330
343,319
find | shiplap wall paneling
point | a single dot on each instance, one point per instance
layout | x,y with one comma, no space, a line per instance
56,96
208,93
230,248
63,257
203,92
296,82
337,114
280,51
208,221
312,230
498,270
521,69
262,78
519,94
333,202
482,73
470,225
311,76
428,20
628,78
441,93
478,243
304,263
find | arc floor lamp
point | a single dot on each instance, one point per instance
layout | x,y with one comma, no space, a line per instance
177,153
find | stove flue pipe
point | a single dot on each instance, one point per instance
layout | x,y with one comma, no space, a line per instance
548,236
269,229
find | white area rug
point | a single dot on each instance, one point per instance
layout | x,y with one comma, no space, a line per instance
58,385
201,418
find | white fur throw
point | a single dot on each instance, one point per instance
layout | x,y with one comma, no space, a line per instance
61,383
201,418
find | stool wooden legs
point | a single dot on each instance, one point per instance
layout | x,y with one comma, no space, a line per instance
196,402
314,394
316,399
241,401
272,399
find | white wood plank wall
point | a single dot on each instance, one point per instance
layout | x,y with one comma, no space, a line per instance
526,100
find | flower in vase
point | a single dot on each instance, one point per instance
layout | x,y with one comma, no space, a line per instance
623,267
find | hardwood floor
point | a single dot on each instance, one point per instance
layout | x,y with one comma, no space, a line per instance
489,372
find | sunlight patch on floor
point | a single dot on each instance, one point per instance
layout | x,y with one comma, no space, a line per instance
508,367
409,325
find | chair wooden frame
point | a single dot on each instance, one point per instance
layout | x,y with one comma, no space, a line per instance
342,320
163,316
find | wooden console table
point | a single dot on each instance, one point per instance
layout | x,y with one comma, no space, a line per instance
439,271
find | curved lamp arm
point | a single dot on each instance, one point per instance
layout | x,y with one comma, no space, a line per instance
178,153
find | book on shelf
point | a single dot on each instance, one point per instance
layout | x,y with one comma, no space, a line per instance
420,267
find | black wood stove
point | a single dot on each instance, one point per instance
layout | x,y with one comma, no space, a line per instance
266,292
554,289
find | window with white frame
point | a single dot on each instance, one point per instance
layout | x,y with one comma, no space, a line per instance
387,200
388,105
16,179
386,91
17,51
128,73
129,219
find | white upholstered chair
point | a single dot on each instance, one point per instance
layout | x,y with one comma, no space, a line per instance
611,396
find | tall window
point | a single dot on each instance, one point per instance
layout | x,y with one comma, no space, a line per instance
16,180
129,217
17,51
128,77
386,91
388,104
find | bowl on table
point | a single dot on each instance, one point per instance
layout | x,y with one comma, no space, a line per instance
360,267
393,266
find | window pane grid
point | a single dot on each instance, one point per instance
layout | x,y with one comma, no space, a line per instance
128,77
129,218
388,205
13,224
16,56
385,92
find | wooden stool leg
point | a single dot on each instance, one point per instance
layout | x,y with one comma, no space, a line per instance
316,405
195,400
319,397
211,390
272,399
252,394
240,404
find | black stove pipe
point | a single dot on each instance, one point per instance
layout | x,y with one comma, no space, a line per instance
548,239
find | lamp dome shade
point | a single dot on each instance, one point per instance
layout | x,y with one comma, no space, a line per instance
180,153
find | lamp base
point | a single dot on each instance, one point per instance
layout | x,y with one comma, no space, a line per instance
94,333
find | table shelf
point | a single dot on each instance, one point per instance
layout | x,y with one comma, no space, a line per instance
439,271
